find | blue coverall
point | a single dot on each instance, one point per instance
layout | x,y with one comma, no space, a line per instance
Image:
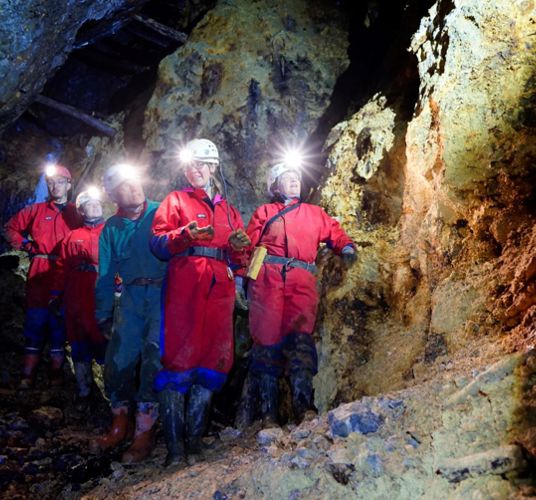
124,250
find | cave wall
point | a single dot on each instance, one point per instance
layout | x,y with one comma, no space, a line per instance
439,203
253,77
444,261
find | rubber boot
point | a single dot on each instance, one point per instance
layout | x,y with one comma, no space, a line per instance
196,418
301,383
269,392
172,412
118,431
84,382
144,437
246,411
55,369
29,371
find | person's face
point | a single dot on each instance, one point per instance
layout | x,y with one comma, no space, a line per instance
198,173
290,185
92,209
58,187
129,194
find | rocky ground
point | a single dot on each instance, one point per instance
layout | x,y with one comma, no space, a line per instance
467,433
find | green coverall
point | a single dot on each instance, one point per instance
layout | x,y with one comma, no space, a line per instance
124,250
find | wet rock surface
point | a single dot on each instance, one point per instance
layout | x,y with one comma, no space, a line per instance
445,265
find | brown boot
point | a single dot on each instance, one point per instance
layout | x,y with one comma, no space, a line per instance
140,449
117,433
144,438
29,371
55,369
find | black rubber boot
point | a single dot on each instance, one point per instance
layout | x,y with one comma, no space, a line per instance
247,409
197,412
269,391
301,383
172,414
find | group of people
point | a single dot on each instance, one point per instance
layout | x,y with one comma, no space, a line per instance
151,292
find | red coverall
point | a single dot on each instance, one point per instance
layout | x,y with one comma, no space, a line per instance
76,277
199,292
281,305
47,226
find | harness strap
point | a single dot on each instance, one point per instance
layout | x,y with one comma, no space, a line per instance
45,256
210,252
290,262
146,281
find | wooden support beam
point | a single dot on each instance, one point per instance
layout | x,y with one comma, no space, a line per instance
76,113
100,30
162,29
147,36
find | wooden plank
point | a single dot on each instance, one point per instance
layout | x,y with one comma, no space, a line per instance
162,29
76,113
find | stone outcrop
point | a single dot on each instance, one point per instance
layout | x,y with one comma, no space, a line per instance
253,77
441,266
37,37
441,439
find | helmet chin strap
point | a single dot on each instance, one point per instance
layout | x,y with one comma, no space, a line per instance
93,221
209,189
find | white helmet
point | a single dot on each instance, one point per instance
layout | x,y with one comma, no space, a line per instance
202,150
117,174
89,194
275,172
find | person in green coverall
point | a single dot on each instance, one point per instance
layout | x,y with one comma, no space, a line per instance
134,328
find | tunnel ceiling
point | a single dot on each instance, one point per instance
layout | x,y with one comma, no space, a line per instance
93,57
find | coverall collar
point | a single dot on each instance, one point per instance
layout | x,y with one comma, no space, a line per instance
202,194
93,222
290,201
58,207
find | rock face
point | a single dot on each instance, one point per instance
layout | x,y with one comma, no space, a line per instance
36,38
438,206
423,447
253,77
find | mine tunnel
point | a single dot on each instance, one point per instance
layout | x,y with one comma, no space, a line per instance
415,121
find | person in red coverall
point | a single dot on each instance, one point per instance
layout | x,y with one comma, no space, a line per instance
200,234
77,274
283,299
38,229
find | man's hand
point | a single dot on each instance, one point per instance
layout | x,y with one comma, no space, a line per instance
106,328
54,306
239,240
199,233
349,256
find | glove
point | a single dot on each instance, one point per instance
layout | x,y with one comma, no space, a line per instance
241,302
348,256
239,240
195,232
28,246
106,328
54,306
